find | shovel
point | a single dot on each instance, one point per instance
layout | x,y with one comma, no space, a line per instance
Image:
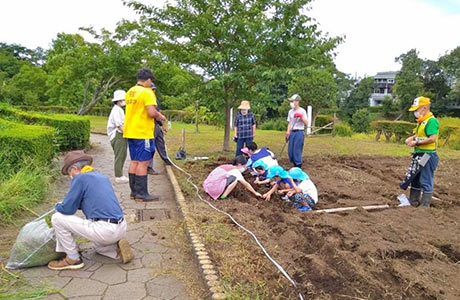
181,154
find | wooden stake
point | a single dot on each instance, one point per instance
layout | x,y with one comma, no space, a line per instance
340,209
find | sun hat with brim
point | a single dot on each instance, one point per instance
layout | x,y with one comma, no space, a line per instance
245,150
277,171
244,105
118,95
419,102
73,157
260,164
298,174
295,97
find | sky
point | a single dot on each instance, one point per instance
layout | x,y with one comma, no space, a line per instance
375,31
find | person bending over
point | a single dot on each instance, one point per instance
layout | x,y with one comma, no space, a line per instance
283,183
306,198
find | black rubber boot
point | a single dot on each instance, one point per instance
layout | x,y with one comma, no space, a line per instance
132,185
426,199
142,194
414,196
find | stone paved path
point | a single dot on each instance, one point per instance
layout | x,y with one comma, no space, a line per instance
163,267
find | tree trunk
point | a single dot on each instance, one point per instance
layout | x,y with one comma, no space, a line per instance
100,91
227,125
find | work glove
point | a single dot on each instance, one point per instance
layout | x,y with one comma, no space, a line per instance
298,115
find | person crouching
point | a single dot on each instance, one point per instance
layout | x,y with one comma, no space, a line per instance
104,225
282,182
305,196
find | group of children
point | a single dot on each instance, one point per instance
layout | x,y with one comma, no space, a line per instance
293,185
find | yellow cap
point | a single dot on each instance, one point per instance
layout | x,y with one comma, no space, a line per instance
418,102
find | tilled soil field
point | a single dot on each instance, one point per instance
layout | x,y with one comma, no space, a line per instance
396,253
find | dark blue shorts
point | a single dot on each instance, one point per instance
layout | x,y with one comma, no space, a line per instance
141,150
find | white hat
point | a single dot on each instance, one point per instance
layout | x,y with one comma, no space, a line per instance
118,95
295,97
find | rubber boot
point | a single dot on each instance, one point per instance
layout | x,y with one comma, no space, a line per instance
414,196
132,185
142,194
426,199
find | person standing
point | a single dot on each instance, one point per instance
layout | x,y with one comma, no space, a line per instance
424,141
115,134
139,126
244,126
160,147
295,134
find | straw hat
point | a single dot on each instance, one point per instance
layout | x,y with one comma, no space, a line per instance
73,157
244,105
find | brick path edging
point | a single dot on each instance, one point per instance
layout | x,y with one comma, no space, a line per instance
207,269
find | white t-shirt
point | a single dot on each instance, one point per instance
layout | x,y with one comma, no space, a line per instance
308,187
297,125
236,173
116,119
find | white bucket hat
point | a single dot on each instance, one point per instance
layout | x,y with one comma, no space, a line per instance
118,95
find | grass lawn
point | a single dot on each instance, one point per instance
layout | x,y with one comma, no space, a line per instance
209,142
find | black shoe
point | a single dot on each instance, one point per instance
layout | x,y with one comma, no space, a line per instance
426,200
142,194
132,185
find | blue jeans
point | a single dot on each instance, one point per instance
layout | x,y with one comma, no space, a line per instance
425,179
295,147
240,143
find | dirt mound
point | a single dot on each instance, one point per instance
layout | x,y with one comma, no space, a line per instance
397,253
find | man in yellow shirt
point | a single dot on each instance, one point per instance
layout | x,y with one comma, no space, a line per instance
139,125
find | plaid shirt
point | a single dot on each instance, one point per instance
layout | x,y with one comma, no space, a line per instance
244,125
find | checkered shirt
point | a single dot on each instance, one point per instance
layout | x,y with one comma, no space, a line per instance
244,125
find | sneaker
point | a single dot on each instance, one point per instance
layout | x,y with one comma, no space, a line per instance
124,251
66,264
303,208
151,171
285,198
122,179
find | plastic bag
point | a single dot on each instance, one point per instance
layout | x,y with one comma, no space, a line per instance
34,246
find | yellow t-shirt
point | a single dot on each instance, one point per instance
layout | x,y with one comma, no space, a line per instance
138,124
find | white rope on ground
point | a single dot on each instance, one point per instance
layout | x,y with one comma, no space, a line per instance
278,266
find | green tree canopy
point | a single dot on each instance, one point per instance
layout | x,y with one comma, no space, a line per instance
358,98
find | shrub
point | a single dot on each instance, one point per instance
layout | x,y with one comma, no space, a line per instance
342,129
375,109
20,143
400,129
177,115
360,121
449,131
279,124
323,120
72,132
48,108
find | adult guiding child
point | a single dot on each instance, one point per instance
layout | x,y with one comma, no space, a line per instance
244,126
104,225
295,133
115,134
424,142
139,128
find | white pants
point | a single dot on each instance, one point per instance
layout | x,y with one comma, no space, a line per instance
105,235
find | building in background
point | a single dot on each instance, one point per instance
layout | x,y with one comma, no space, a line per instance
384,82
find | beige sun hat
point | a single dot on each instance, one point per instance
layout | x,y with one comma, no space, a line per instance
244,105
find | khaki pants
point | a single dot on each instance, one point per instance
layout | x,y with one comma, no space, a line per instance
103,234
120,148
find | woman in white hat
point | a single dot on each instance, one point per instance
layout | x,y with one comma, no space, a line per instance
244,126
115,133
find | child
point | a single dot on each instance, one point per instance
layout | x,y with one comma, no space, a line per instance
261,171
223,179
283,182
307,197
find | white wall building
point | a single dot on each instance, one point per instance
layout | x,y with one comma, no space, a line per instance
383,86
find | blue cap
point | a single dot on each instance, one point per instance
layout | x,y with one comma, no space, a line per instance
259,163
277,171
297,173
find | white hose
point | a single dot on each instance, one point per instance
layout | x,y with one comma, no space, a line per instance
189,180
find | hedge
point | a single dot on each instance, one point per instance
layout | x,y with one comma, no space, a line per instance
343,129
72,132
400,129
20,144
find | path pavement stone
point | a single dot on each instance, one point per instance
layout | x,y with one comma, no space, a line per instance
159,246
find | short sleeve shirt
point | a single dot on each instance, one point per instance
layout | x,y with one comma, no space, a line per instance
308,187
138,124
432,127
296,122
116,119
236,173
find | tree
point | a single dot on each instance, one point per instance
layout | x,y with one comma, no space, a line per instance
317,88
244,49
360,121
358,98
450,64
408,81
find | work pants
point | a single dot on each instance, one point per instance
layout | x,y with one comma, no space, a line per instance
160,145
103,234
295,147
120,148
240,143
425,179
